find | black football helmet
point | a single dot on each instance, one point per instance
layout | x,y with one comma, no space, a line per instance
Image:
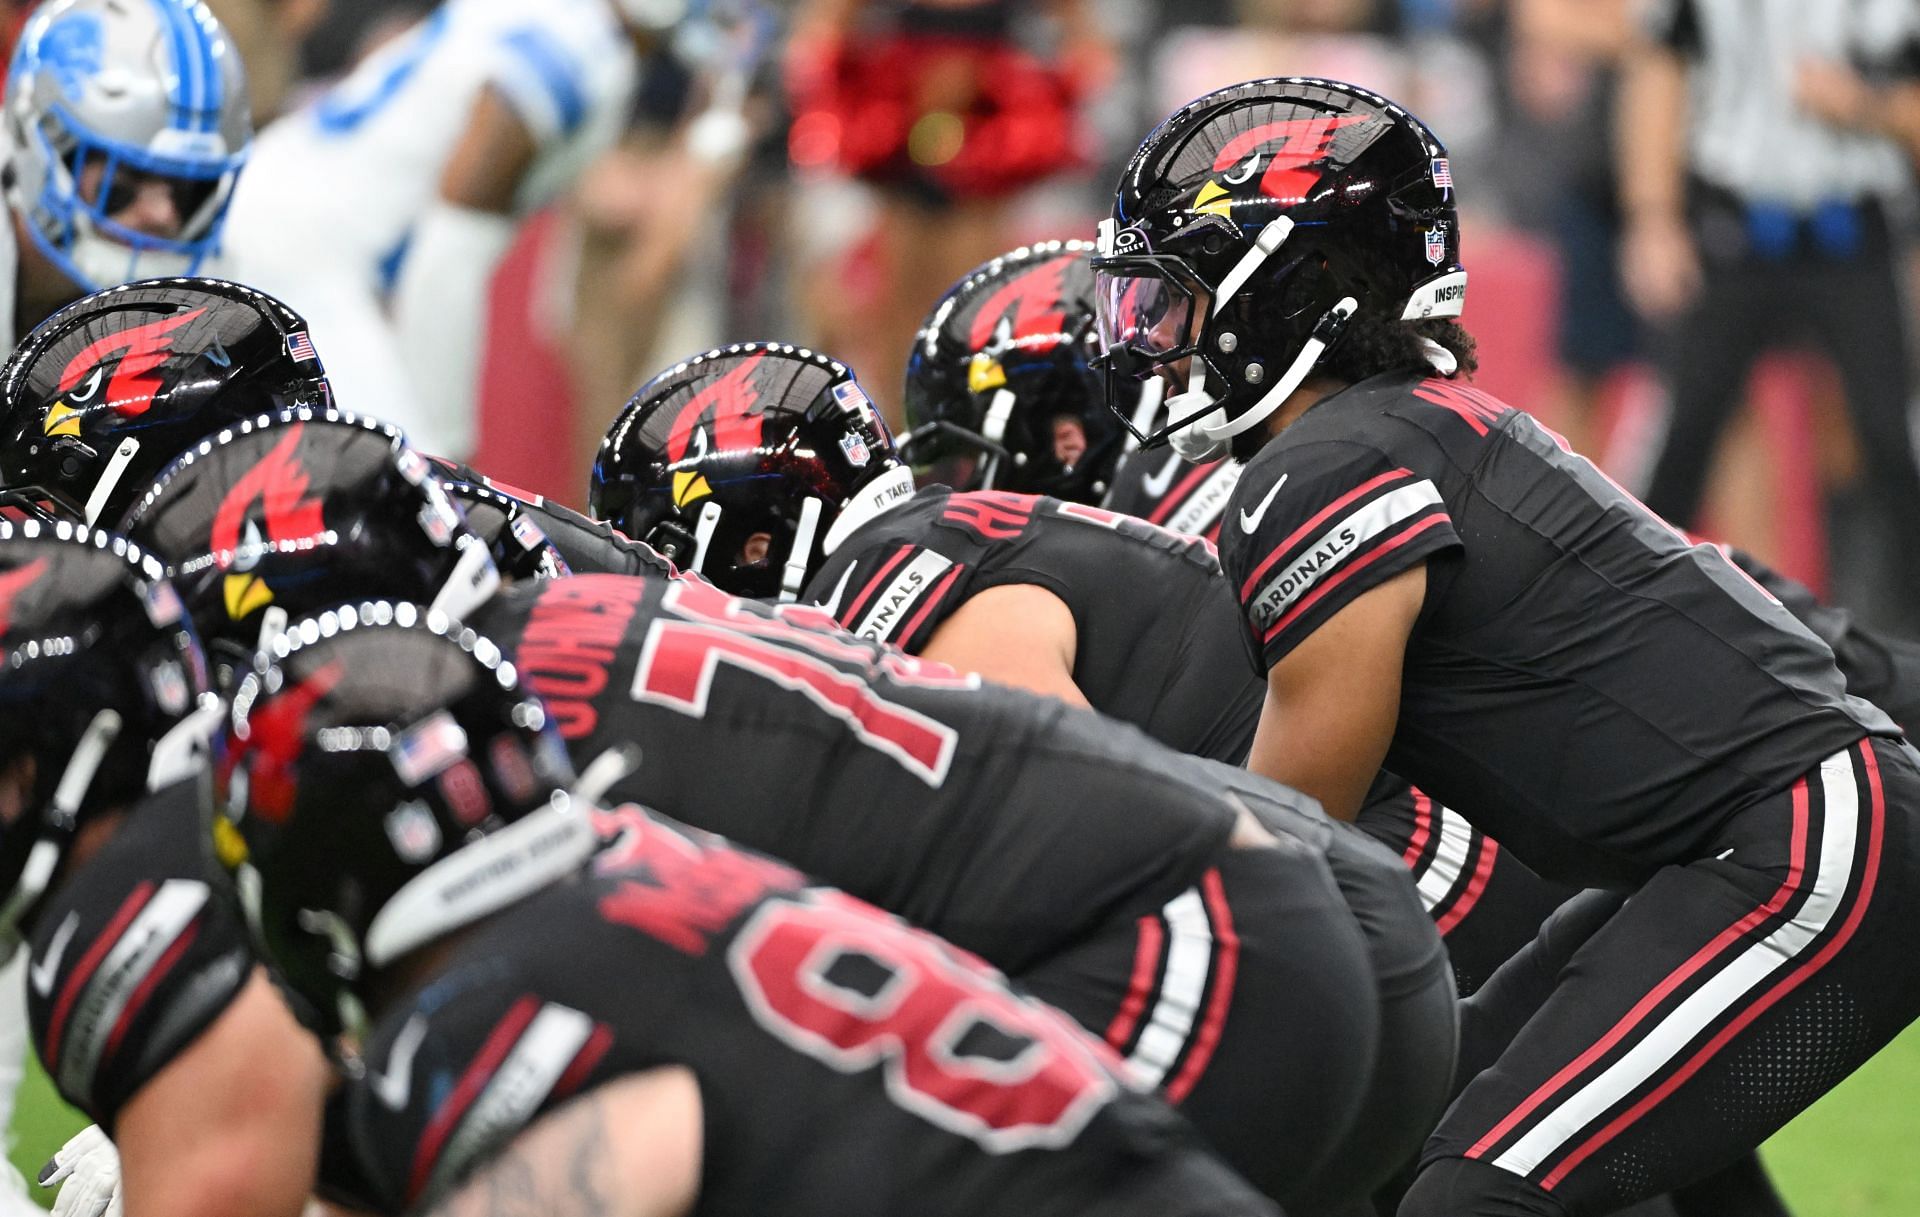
285,515
521,548
1001,389
755,438
101,681
1250,228
108,390
390,781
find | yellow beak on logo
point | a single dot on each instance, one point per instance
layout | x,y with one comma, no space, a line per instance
1213,199
62,419
689,486
984,372
246,594
228,845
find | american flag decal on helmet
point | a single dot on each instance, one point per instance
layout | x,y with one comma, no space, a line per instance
300,346
1442,173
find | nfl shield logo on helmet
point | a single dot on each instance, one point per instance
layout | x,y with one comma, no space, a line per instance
856,450
1436,245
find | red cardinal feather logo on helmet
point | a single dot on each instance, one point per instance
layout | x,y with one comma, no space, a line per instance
1296,143
279,482
275,736
1031,304
736,425
141,349
12,583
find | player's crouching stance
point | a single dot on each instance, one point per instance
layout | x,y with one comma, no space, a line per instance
672,1026
1431,579
142,996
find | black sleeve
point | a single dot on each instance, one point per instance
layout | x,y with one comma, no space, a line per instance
136,956
455,1073
1312,527
1879,667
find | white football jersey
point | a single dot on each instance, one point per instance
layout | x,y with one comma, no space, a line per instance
346,176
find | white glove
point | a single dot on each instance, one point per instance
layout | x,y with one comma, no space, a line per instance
87,1169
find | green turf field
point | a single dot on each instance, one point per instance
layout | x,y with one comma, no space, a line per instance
1850,1156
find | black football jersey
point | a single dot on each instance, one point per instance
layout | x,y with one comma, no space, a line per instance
1155,617
1597,691
136,954
1881,668
848,1064
1161,488
1006,822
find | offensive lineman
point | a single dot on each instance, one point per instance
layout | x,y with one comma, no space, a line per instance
993,860
786,1041
149,101
1432,580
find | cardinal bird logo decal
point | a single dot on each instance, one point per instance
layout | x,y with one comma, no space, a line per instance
278,482
133,355
1282,153
274,738
1027,312
736,425
12,583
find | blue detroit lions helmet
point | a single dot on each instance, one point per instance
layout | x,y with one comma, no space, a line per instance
122,89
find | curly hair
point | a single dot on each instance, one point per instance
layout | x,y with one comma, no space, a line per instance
1375,346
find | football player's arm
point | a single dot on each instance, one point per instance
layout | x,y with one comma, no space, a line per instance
1660,267
1015,634
230,1127
1334,699
630,1148
440,300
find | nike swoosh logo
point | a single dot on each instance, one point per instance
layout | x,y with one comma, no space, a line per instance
394,1084
1156,484
832,603
45,971
1250,522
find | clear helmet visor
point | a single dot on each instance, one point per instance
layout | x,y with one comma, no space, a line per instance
1146,315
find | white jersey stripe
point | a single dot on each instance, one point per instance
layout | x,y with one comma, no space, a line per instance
894,605
1450,857
1183,982
1733,984
1337,545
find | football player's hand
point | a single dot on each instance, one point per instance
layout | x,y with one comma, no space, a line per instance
1659,266
87,1172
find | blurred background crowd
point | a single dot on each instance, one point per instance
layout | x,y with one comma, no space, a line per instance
1688,222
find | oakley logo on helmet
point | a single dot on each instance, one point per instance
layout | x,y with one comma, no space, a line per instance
278,481
131,391
12,583
736,426
1296,143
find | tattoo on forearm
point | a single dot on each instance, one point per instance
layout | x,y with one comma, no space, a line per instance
556,1169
